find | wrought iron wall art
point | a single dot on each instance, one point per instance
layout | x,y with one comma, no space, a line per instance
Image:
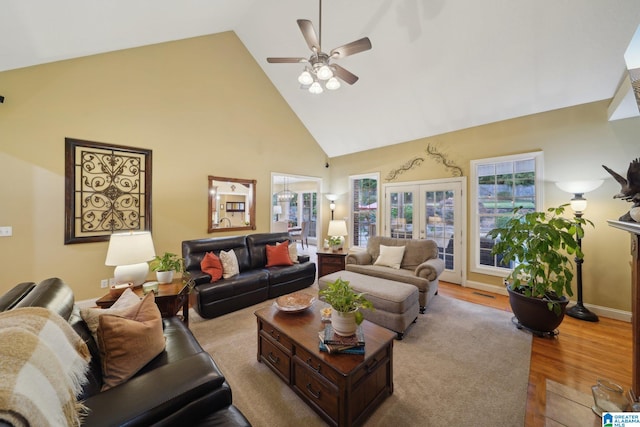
417,161
107,189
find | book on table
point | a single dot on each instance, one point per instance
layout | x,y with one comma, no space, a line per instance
330,337
331,342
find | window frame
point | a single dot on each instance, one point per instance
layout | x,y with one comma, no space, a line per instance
375,176
474,236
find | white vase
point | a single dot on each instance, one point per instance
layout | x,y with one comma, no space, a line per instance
344,324
634,213
165,276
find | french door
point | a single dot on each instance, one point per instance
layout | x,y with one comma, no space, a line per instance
430,210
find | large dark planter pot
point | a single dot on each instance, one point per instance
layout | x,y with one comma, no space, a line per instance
533,313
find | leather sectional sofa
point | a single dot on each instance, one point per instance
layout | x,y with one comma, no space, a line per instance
181,386
254,284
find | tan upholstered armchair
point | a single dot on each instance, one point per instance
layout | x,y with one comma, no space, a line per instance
420,264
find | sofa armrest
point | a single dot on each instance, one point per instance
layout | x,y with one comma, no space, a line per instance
360,258
148,398
303,258
430,269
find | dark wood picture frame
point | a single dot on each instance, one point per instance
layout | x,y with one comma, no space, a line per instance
107,190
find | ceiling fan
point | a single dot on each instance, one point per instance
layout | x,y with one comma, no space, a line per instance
320,68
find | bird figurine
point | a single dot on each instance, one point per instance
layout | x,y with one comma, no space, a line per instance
629,187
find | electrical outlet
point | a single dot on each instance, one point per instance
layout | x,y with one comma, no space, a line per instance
6,231
104,283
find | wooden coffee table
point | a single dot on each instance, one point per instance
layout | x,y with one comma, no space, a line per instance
170,298
343,389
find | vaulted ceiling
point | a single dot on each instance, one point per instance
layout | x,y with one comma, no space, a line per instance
436,65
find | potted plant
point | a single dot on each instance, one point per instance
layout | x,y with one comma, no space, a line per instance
346,304
539,246
335,242
166,266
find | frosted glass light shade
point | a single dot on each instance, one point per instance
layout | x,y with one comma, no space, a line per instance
315,88
305,78
332,84
337,227
324,73
578,205
579,187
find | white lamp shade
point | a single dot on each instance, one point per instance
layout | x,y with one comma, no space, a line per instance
128,248
324,73
129,252
277,210
315,88
331,197
332,84
579,187
337,227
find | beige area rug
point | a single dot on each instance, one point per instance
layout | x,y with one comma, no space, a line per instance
568,407
460,364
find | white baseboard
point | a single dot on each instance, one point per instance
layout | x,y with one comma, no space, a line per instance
611,313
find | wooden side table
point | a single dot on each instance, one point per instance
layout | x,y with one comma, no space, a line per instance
169,299
330,262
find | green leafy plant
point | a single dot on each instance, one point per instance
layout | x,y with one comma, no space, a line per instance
167,262
334,241
540,244
341,296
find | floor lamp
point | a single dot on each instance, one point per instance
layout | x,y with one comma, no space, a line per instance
579,205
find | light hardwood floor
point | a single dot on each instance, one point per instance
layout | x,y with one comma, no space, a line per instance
577,357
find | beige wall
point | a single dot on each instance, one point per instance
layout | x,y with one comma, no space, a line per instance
575,141
206,108
202,105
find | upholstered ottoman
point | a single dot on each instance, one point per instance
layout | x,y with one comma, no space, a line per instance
396,304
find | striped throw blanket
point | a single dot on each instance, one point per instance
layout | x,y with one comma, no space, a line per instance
43,365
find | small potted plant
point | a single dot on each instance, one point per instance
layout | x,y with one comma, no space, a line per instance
539,244
166,266
346,304
335,242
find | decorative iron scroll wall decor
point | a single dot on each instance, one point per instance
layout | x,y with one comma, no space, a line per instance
417,161
107,189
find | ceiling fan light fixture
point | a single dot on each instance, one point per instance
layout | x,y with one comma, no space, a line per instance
305,78
332,84
324,72
315,88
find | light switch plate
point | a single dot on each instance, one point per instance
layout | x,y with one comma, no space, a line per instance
6,231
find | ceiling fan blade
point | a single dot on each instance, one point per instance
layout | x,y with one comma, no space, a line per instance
344,75
351,48
309,34
286,60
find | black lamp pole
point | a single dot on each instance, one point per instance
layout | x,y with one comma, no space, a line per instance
579,311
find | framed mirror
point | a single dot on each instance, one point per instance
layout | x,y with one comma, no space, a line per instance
231,204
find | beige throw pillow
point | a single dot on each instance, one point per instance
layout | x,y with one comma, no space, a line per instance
92,315
129,341
390,256
229,264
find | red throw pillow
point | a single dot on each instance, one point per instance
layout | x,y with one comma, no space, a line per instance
278,255
212,266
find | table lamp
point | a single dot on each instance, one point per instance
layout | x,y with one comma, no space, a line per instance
277,210
129,253
337,229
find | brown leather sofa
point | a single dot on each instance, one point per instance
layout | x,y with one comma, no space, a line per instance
254,284
181,386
